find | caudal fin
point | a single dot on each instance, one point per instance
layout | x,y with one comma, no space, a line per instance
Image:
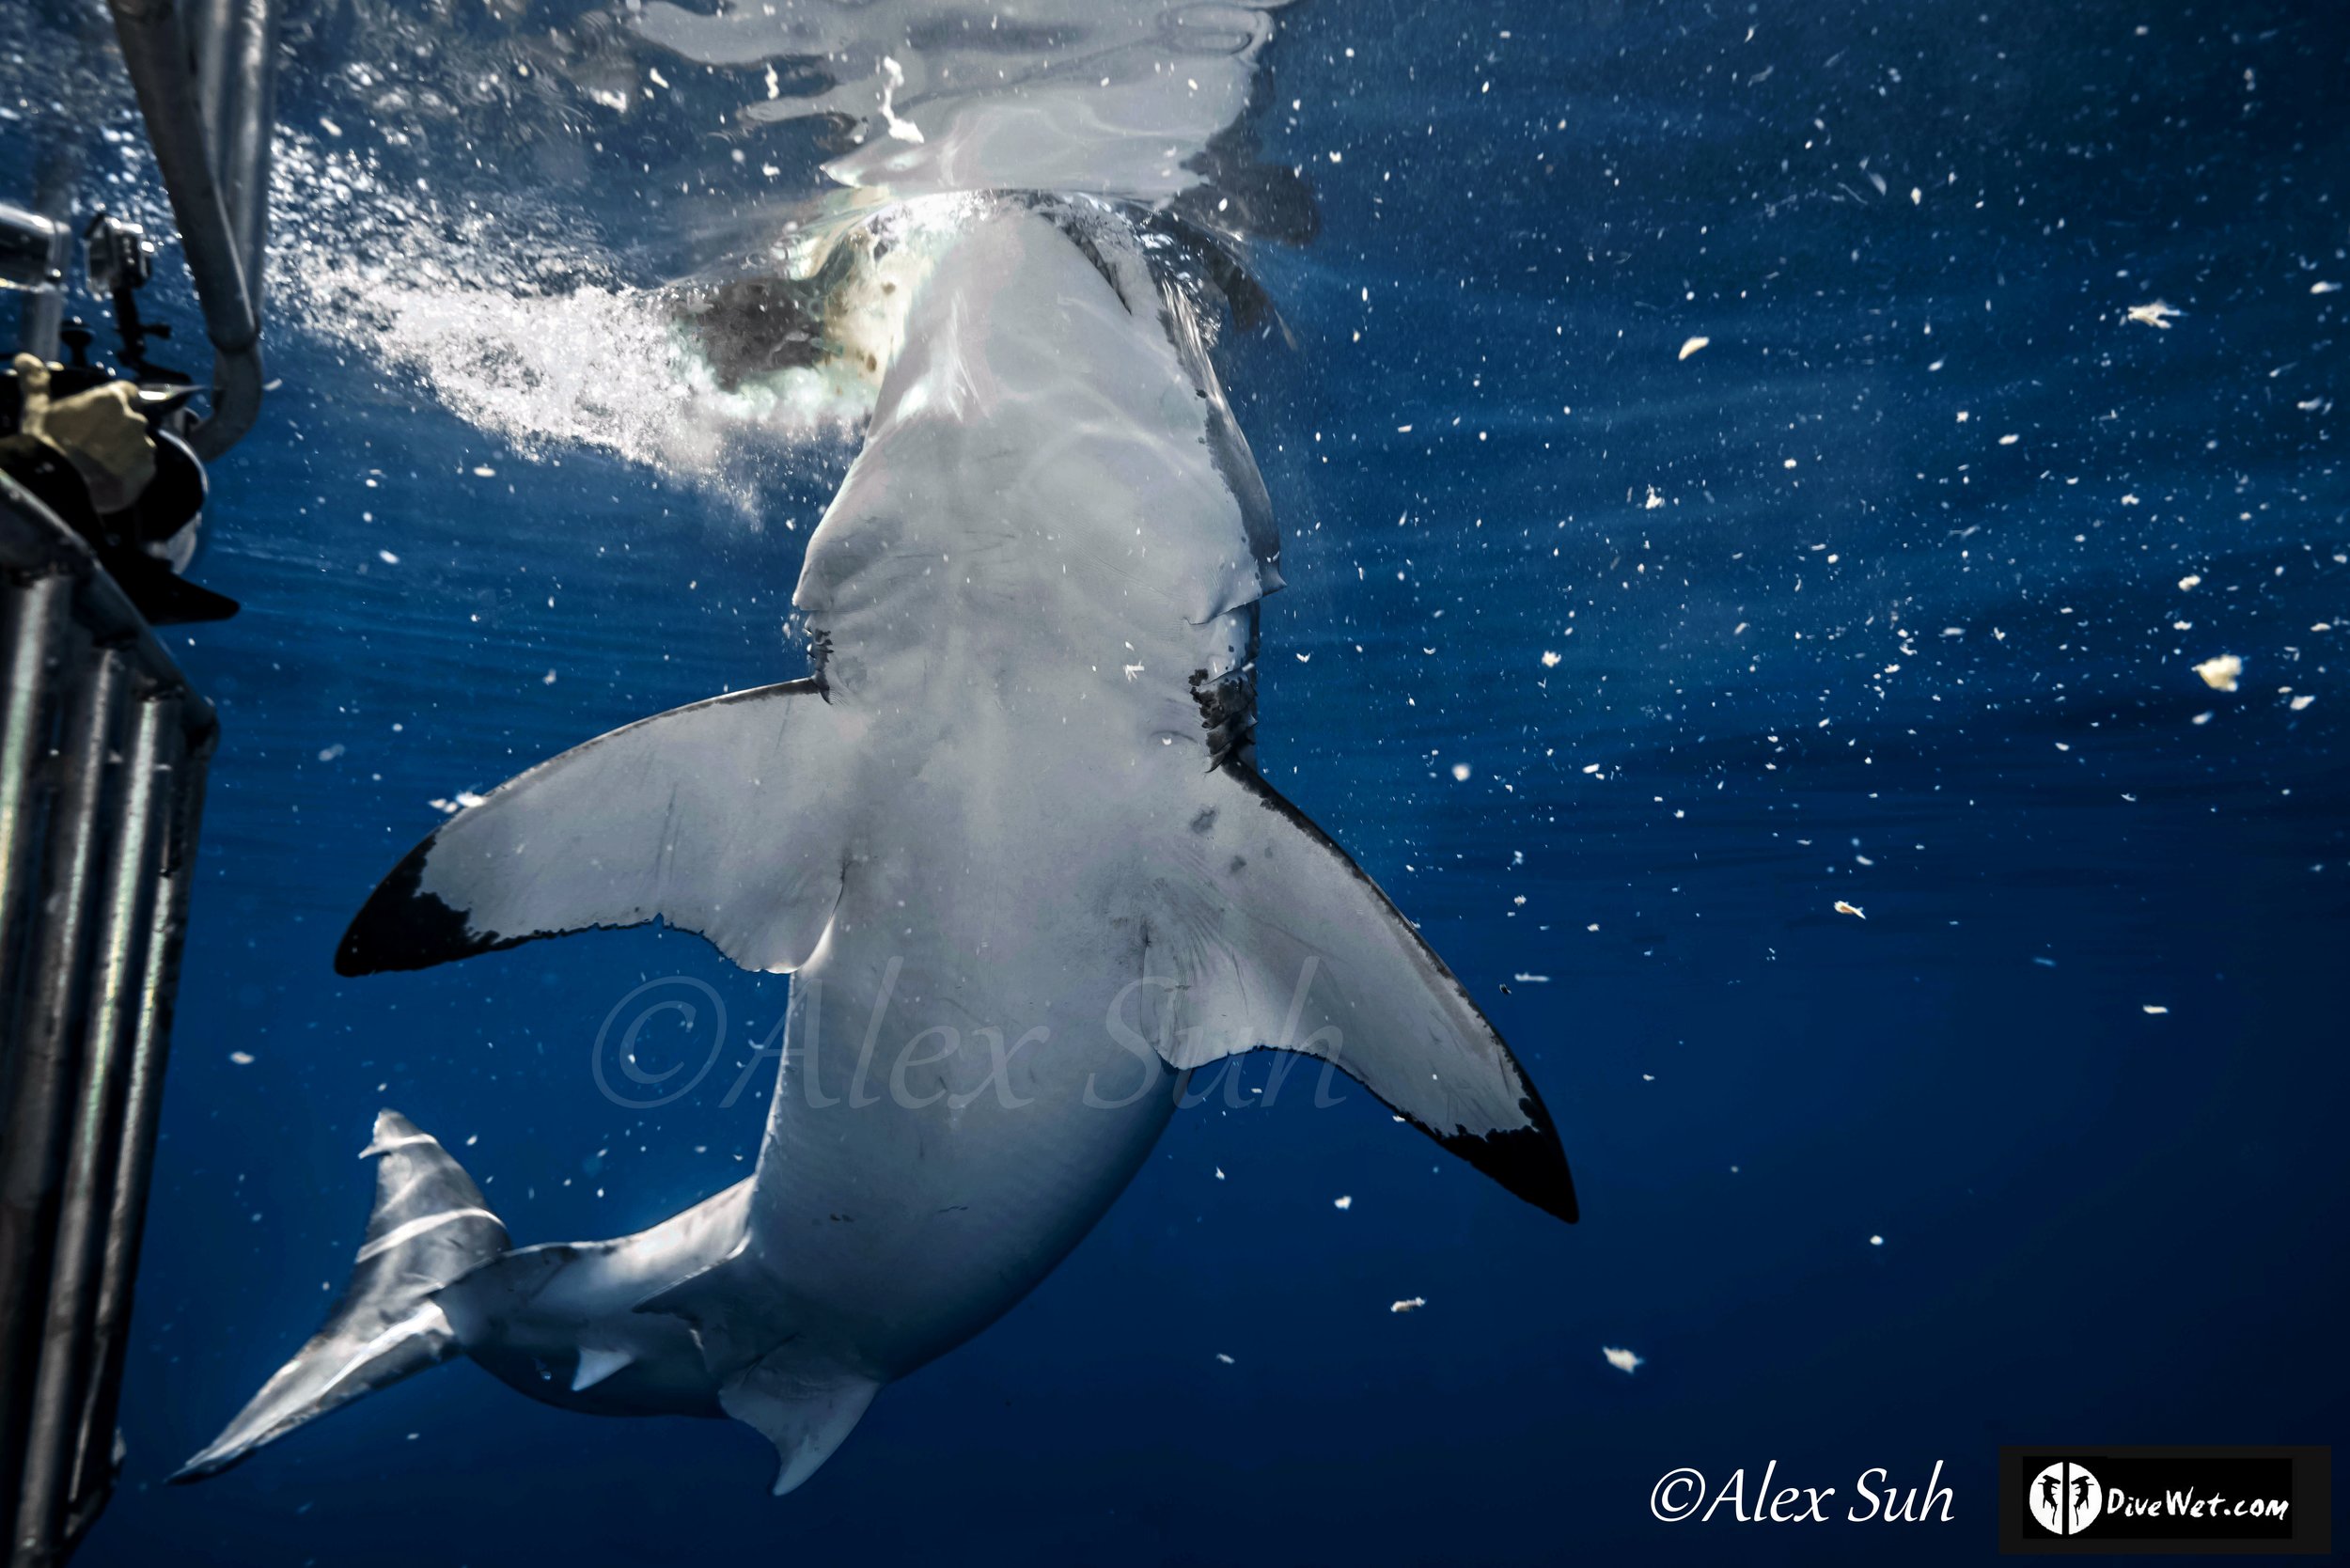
430,1226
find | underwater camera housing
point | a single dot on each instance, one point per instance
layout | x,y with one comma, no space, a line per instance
104,740
73,436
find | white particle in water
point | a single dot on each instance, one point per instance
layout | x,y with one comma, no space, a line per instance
2221,673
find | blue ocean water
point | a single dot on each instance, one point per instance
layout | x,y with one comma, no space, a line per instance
1620,665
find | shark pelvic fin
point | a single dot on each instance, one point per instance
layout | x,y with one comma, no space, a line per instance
722,818
731,1306
1280,940
805,1414
595,1365
430,1225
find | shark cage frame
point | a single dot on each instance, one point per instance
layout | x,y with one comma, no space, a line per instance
103,747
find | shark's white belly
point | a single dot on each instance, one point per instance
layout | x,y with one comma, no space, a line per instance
972,1070
1031,561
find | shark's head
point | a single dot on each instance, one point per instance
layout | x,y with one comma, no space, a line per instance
815,330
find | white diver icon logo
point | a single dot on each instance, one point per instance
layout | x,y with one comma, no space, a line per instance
2065,1498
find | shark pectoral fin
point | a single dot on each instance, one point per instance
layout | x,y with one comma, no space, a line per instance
595,1365
725,817
1284,942
805,1414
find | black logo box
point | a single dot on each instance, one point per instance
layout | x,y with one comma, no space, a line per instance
2301,1476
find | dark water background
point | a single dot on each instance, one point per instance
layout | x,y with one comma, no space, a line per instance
1884,1192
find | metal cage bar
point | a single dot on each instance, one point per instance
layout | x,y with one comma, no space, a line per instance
36,619
100,1458
61,1385
44,1027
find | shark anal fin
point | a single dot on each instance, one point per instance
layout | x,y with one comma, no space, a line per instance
722,818
1280,940
806,1413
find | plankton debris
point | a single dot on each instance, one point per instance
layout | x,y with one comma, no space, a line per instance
1622,1361
2220,673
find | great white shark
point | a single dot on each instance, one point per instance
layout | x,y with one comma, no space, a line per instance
1009,840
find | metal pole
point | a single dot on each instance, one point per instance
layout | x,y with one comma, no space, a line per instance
92,1151
29,1171
242,111
41,609
205,23
151,1051
155,49
44,311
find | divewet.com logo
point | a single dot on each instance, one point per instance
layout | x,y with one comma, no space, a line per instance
2235,1500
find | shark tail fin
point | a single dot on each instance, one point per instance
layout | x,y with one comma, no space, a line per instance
429,1227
